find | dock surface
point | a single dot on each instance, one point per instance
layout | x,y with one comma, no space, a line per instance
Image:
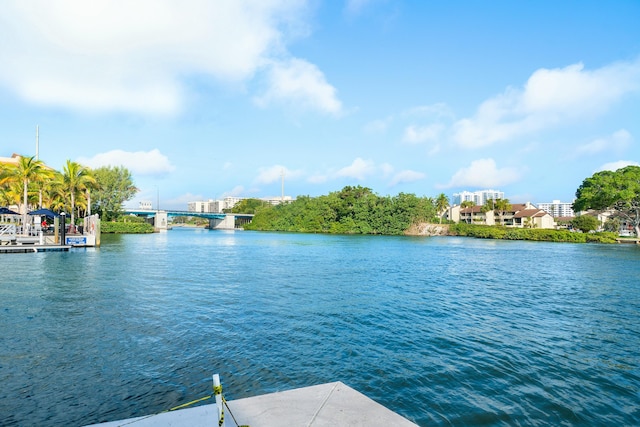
16,249
332,404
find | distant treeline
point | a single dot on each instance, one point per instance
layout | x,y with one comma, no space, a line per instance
353,210
357,210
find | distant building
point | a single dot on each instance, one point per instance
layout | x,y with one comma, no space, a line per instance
477,197
277,200
204,206
13,160
557,209
230,202
218,206
145,204
520,215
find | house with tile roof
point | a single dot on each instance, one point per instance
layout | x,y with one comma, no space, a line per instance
521,215
532,218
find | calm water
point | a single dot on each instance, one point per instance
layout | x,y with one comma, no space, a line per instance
445,331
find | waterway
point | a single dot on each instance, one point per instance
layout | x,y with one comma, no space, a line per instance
445,331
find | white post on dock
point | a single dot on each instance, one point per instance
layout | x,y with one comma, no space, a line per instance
217,391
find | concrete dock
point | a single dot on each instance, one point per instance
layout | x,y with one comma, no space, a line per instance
332,404
13,249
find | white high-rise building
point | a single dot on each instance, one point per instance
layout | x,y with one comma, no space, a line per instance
477,197
218,206
230,202
208,206
557,209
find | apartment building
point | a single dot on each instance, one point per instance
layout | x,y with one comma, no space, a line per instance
520,215
477,197
557,209
204,206
218,206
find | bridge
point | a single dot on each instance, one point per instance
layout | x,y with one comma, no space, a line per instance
216,220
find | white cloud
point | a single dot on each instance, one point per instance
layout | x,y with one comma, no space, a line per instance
236,191
378,126
139,162
614,166
436,115
317,179
107,55
387,169
355,6
301,83
550,97
616,142
483,173
434,150
439,110
406,176
418,134
179,202
274,173
359,169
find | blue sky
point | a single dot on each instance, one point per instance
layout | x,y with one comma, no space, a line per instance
203,99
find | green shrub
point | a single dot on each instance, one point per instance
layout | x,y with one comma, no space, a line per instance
126,227
602,237
353,210
541,235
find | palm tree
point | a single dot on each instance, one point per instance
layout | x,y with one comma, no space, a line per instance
529,223
52,192
501,206
26,171
56,194
76,178
498,206
442,203
467,204
5,184
11,191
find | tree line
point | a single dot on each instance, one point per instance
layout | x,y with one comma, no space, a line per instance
357,210
616,191
76,190
352,210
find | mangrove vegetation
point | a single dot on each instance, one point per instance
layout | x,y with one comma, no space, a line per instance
353,210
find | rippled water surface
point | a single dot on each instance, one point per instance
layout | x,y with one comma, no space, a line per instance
445,331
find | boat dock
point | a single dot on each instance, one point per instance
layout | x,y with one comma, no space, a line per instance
29,248
332,404
628,240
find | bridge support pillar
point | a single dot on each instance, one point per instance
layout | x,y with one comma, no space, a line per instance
161,220
227,223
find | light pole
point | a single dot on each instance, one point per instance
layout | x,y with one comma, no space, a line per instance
63,227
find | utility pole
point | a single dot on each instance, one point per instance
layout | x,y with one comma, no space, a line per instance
282,177
37,142
38,158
